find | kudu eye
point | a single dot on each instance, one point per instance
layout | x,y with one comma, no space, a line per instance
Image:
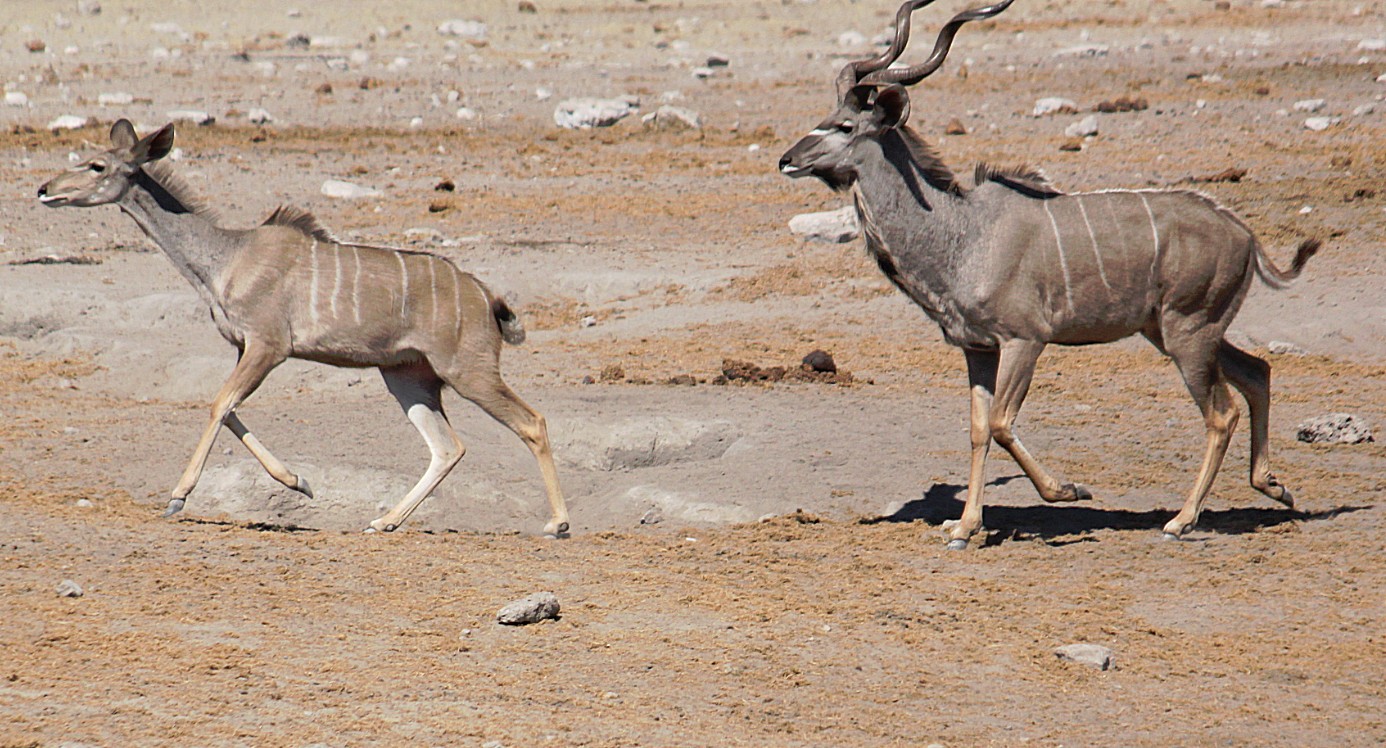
847,126
96,167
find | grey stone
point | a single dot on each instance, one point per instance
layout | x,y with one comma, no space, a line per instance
673,118
1285,348
115,98
69,588
68,122
1319,124
1083,128
467,29
1092,655
1335,428
1310,105
832,226
537,607
643,442
346,190
195,116
587,113
1053,105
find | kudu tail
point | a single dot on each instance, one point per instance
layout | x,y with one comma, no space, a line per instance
511,328
1275,277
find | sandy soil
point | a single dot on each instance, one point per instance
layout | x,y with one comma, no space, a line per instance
797,590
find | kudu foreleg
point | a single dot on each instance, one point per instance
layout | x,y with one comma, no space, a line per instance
981,378
277,470
254,364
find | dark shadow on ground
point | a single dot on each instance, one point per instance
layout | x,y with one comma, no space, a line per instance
944,501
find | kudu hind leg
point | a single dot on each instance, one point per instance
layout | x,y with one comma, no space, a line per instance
1016,369
419,392
1251,376
255,363
494,396
1204,378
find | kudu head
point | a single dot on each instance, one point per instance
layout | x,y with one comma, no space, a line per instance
872,100
106,177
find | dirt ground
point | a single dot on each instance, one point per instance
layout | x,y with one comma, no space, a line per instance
795,589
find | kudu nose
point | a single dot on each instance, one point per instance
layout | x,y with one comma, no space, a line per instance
784,161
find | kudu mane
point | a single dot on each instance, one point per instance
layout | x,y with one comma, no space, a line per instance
1026,180
930,165
302,220
163,175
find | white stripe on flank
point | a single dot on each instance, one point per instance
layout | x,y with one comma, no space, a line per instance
1063,262
336,278
404,283
1154,232
1093,236
313,284
356,285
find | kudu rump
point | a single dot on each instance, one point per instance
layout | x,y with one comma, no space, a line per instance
1012,264
289,289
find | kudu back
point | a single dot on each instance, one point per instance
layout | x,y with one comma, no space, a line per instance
1012,264
289,289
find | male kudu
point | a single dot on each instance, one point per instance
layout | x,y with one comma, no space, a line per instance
289,289
1012,264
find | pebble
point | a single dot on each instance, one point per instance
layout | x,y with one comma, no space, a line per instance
16,98
89,7
467,114
1284,348
1053,105
673,118
587,113
195,116
69,588
832,226
68,122
1092,655
718,61
653,516
347,190
1083,128
1372,45
1335,428
115,98
466,29
537,607
702,73
1319,124
259,116
1310,105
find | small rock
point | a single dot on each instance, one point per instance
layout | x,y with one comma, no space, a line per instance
1093,655
69,588
1072,145
955,127
1334,428
467,114
195,116
1053,105
16,98
1364,110
464,28
89,7
1372,45
115,98
718,61
84,503
347,190
527,6
35,45
820,360
1083,128
587,113
1310,105
1319,124
673,118
68,122
537,607
702,73
832,226
1284,348
258,116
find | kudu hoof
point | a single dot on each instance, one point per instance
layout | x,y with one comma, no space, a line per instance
379,526
957,544
301,485
1070,492
556,532
1285,497
1169,536
174,506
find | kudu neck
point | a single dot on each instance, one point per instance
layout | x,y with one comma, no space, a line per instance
903,180
196,246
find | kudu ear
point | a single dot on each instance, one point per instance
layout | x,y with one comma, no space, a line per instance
859,97
155,146
892,106
123,134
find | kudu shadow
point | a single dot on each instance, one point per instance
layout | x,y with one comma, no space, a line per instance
1057,524
255,526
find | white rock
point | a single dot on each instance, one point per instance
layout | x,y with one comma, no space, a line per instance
1093,655
532,609
167,28
673,118
328,42
195,116
69,588
851,39
1285,348
1319,124
466,29
1372,45
1053,105
468,114
586,113
832,226
359,57
1381,78
1083,128
68,122
702,73
89,7
1084,50
346,190
258,116
1310,105
1364,110
115,98
1335,428
16,98
543,94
